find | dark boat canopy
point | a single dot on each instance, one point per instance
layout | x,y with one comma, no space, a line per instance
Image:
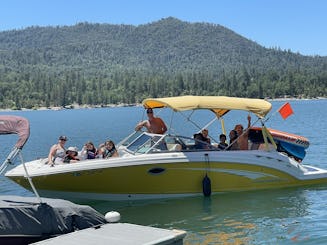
15,125
24,220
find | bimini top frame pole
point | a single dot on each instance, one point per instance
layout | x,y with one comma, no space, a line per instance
16,125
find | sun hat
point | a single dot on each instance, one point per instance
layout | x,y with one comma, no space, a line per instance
72,149
63,137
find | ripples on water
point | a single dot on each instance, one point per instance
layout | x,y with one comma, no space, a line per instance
283,216
265,217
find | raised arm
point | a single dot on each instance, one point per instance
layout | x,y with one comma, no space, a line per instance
249,121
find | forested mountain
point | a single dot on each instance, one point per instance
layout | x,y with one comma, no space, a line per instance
102,63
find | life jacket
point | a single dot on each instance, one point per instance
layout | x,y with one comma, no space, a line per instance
91,154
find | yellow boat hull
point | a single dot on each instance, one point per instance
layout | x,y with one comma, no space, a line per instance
158,180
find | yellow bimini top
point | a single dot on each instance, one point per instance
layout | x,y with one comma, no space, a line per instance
219,105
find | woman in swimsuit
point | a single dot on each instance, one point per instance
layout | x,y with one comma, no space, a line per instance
109,150
57,151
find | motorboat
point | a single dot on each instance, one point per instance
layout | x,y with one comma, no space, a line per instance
170,165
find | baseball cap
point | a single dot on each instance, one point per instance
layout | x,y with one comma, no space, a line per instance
63,137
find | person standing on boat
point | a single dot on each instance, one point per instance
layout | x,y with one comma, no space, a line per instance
233,145
243,135
154,124
57,151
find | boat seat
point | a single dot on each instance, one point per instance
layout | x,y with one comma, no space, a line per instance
174,147
263,147
254,146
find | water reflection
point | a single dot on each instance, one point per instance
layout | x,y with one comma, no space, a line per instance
233,218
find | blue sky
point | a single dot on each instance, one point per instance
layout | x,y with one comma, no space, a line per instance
296,25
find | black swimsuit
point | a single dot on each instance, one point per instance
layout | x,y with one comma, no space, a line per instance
109,153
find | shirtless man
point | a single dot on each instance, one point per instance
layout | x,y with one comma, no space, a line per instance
154,124
242,140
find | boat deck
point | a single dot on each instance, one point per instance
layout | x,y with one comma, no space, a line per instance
119,234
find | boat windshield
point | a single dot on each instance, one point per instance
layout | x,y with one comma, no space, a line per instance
144,143
156,143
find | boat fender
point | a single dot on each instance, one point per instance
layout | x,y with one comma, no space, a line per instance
112,217
206,186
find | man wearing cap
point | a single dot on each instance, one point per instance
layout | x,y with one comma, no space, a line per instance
154,124
57,151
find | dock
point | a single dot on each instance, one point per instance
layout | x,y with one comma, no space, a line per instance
119,234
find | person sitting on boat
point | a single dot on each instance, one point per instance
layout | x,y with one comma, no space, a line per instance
222,142
57,151
243,135
202,141
233,145
109,150
71,155
89,151
154,124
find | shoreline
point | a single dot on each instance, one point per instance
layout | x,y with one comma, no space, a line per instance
71,107
77,106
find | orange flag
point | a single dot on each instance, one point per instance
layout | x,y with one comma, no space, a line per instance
285,110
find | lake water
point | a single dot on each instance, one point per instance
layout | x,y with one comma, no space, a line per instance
283,216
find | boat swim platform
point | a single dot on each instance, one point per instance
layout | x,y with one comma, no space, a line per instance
119,234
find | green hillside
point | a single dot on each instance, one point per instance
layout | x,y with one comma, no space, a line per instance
102,64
